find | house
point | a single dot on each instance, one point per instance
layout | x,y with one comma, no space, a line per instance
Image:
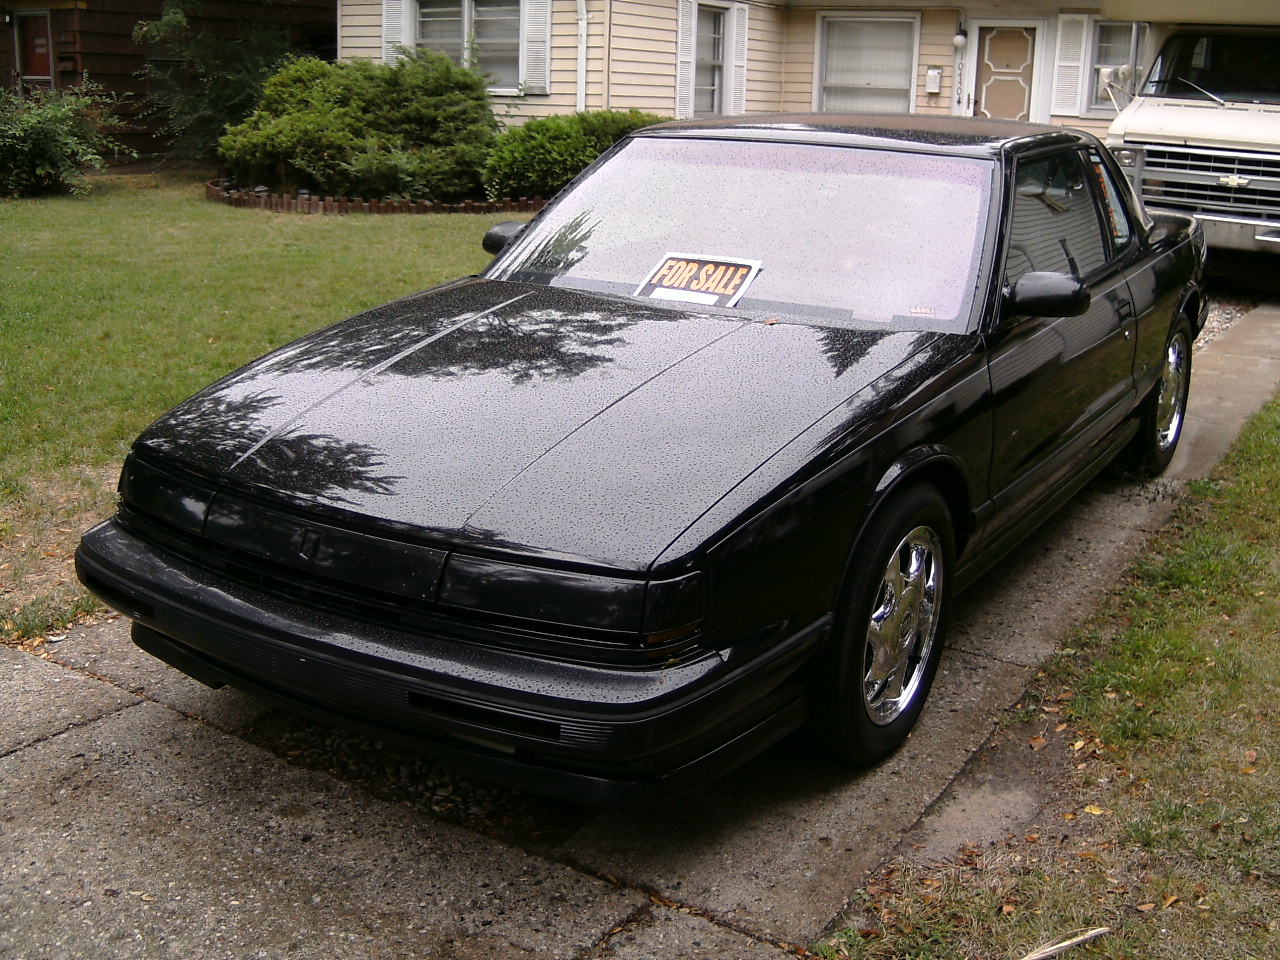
681,58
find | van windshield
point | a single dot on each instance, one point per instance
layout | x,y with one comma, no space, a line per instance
1243,68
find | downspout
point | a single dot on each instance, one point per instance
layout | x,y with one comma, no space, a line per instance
580,101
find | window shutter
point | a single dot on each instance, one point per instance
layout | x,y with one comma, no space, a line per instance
687,16
535,46
393,20
1069,64
738,77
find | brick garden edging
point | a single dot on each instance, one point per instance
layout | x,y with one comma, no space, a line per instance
280,203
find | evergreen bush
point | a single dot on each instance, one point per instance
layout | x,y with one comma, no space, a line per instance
421,128
539,157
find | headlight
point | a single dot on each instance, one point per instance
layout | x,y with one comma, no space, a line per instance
1127,157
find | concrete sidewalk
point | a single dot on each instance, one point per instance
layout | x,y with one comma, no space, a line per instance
136,820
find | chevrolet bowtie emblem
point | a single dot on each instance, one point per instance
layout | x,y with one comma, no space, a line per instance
1233,181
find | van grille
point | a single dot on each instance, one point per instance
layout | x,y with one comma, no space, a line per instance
1213,182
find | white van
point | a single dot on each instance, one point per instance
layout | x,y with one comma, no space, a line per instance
1202,135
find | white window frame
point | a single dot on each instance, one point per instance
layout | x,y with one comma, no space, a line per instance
820,46
733,99
1075,62
400,30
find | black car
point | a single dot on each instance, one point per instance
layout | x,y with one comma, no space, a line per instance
700,459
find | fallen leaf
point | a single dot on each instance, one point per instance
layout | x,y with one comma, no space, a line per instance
1008,909
1068,815
1146,907
1051,709
1170,900
1250,756
1059,728
1032,837
1094,809
1248,769
1078,745
1037,742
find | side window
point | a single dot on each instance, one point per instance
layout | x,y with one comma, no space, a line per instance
1054,226
1115,216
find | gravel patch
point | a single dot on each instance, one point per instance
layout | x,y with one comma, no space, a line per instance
1223,312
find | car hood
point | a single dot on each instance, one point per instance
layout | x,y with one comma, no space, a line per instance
523,418
1198,123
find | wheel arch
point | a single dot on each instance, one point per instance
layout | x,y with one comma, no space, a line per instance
941,469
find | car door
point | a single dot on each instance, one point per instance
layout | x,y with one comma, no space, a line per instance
1060,385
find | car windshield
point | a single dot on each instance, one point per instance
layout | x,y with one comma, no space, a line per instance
1240,67
840,235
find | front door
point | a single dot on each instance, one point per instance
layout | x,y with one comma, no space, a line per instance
35,57
1002,70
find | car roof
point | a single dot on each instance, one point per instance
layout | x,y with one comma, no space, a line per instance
966,136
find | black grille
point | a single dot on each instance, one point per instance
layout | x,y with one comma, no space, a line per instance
410,616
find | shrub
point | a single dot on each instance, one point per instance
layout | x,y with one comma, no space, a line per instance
421,128
208,83
48,137
541,156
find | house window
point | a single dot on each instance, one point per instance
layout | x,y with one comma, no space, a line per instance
1115,45
1086,46
868,65
508,39
708,69
711,59
484,34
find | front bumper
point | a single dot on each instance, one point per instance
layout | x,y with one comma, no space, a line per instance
593,734
1228,233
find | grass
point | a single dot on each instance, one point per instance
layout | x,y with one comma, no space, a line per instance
116,305
1168,830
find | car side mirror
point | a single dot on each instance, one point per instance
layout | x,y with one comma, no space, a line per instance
1046,295
500,235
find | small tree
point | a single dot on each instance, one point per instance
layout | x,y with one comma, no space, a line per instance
48,138
205,83
420,128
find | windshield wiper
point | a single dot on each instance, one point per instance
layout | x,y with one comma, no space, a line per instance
1212,96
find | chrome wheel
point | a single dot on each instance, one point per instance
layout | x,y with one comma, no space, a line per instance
1171,398
902,626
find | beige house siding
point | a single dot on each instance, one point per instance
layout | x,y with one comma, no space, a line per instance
766,58
800,40
359,30
642,58
937,49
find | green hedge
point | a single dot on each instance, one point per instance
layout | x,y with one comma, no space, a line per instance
48,138
421,129
541,156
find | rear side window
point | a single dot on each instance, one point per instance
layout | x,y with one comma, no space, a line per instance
1055,226
1115,217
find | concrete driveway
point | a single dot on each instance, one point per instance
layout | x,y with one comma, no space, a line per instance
142,815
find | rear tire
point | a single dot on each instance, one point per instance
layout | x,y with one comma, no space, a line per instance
1165,408
874,676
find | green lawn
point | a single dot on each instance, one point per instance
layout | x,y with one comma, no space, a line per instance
116,305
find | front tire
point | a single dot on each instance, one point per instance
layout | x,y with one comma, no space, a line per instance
1165,408
875,675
